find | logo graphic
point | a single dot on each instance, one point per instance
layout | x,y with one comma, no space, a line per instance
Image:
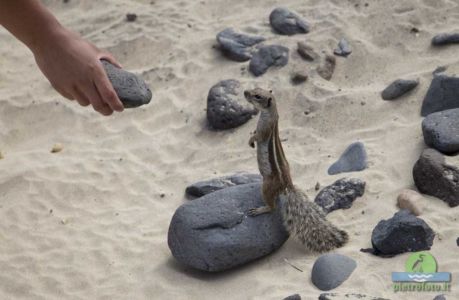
421,275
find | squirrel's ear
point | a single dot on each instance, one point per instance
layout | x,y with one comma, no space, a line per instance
269,101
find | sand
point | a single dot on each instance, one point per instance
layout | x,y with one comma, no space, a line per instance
91,221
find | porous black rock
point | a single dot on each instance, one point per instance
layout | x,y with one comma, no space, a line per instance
344,49
293,297
434,177
354,158
214,233
335,296
285,22
404,232
331,270
237,46
441,131
443,94
398,88
341,194
205,187
226,107
268,56
445,39
130,88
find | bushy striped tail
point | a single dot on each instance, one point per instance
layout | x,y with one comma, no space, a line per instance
306,222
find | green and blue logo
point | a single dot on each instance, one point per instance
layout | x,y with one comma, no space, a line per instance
421,274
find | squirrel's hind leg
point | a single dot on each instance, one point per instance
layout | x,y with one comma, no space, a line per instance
269,196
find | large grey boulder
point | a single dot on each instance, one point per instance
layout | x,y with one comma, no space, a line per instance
214,233
268,56
434,177
441,131
237,46
226,107
331,270
354,158
205,187
402,233
283,21
341,194
130,88
443,94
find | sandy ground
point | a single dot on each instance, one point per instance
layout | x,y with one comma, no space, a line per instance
90,223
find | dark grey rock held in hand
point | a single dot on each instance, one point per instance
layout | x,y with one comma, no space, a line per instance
130,88
286,22
214,233
443,94
434,177
445,38
441,131
326,69
331,270
306,51
335,296
293,297
205,187
354,158
402,233
237,46
398,88
268,56
344,49
226,107
341,194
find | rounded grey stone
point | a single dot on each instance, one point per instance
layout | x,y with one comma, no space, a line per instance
226,107
283,21
441,131
237,46
331,270
402,233
214,233
130,88
344,49
445,38
398,88
354,158
268,56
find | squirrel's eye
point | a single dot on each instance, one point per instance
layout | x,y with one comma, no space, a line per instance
257,97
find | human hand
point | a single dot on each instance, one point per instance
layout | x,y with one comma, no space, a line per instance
72,66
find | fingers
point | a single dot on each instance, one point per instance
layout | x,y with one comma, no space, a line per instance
80,97
97,103
106,91
110,58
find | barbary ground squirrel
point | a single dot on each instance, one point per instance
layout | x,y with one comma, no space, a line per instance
302,218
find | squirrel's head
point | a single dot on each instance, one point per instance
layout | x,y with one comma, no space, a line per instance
260,98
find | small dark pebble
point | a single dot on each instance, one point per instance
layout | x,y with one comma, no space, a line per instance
414,30
162,195
299,77
131,17
457,241
293,297
445,39
439,69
